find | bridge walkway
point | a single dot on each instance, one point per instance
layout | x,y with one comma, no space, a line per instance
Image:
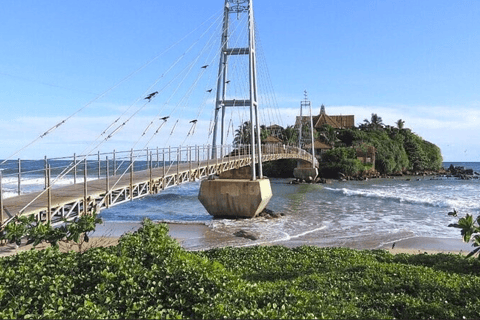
68,202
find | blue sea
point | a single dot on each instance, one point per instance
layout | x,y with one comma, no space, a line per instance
341,213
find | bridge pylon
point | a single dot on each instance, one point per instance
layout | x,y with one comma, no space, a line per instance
222,102
245,197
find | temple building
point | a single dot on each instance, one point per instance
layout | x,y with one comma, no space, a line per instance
337,121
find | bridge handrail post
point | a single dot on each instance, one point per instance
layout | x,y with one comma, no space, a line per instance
197,151
19,175
164,164
131,174
49,195
197,155
169,156
85,205
2,217
147,162
74,168
114,163
190,159
151,175
208,160
179,157
107,182
158,158
99,166
46,162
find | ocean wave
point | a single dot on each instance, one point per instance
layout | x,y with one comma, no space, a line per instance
417,196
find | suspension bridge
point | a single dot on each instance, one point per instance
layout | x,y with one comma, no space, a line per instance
69,189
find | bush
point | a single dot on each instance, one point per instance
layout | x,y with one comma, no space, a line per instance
340,160
148,275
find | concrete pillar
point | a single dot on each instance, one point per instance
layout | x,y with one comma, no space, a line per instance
307,174
235,198
304,171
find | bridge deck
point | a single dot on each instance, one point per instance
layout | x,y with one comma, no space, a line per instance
73,200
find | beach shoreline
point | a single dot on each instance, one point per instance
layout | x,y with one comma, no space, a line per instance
196,236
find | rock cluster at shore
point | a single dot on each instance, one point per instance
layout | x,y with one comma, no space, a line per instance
461,173
452,172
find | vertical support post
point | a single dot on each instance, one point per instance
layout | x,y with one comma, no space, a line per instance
190,160
158,159
2,216
74,168
19,175
253,93
197,148
99,167
49,196
46,163
85,199
107,181
311,133
164,164
208,160
151,178
179,157
114,163
221,81
147,162
169,156
131,174
260,167
300,129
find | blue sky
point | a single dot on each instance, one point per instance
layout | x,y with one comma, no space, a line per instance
411,60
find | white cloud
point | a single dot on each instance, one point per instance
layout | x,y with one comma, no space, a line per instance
454,130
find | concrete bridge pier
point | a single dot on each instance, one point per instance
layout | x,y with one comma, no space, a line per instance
234,195
305,171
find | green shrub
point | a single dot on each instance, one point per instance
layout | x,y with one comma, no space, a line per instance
148,275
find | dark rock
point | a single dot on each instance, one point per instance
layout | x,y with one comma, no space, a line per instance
246,234
269,214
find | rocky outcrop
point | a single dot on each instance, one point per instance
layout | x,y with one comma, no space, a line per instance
461,173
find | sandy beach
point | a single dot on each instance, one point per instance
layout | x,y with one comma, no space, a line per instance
197,235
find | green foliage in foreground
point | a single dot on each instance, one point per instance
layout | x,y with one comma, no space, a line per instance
148,275
469,229
37,232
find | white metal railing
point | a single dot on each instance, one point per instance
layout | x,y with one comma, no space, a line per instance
18,177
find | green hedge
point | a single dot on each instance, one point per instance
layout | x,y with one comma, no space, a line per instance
148,275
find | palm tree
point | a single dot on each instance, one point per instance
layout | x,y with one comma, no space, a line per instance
375,122
290,135
328,134
242,134
264,132
400,124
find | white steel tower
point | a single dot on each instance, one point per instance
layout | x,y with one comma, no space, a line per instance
237,7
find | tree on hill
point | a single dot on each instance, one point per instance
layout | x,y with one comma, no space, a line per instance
374,123
397,150
400,124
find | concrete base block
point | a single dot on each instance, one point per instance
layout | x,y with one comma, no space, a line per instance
235,198
307,174
243,173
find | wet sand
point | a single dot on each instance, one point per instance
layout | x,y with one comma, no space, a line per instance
197,236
